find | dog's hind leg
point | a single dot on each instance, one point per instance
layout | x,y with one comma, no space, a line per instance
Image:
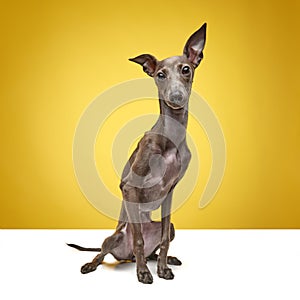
108,245
171,260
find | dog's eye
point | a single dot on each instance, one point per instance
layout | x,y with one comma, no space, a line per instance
161,75
186,70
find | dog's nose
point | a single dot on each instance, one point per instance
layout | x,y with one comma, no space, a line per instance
176,98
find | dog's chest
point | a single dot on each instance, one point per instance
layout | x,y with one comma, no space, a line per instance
167,167
171,158
170,167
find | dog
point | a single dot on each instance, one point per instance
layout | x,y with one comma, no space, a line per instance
154,168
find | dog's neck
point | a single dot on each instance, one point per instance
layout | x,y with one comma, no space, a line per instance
172,123
179,115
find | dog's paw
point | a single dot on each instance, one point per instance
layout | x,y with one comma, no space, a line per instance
172,260
165,273
144,276
87,268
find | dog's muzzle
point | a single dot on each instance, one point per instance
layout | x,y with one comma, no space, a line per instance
176,100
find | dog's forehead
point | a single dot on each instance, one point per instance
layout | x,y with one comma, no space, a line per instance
172,61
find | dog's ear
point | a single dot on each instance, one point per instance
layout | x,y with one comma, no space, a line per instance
147,61
195,45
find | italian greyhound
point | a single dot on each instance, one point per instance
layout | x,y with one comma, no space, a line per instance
154,168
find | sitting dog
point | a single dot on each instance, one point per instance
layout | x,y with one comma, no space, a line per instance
154,168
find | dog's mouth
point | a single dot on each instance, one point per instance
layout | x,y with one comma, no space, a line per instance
175,106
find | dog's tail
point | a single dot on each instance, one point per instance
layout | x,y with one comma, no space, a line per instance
83,248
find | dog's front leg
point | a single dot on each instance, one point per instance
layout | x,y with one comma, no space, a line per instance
133,213
143,272
163,270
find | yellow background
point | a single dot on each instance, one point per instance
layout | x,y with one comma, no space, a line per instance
57,56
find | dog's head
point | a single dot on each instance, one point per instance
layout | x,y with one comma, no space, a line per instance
174,75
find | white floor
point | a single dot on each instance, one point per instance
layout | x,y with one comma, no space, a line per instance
217,264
